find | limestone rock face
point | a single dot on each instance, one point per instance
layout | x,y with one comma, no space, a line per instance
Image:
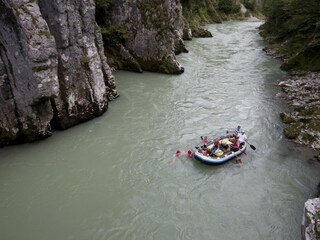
53,71
154,33
82,69
310,229
27,72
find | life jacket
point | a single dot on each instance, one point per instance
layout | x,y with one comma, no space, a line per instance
225,142
218,152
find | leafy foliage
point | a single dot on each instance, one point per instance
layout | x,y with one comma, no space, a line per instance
250,4
101,10
228,6
295,26
114,35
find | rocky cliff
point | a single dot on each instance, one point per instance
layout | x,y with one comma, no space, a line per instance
146,34
143,35
310,227
53,71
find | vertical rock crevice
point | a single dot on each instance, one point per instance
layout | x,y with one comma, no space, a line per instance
23,65
86,82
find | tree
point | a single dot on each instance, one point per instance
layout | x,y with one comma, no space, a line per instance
226,6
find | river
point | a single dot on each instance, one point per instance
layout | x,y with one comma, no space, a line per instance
116,177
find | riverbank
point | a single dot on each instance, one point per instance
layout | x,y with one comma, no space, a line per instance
302,93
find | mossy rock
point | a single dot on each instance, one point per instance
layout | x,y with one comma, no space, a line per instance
287,118
167,65
314,124
317,228
307,60
308,138
201,33
316,113
299,109
292,131
313,112
7,136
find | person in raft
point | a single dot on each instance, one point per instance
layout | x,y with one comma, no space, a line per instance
237,131
235,144
218,152
226,143
242,138
204,140
205,150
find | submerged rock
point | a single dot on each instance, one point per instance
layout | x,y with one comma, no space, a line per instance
292,131
201,33
287,118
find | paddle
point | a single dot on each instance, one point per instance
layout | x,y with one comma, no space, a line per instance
244,152
253,147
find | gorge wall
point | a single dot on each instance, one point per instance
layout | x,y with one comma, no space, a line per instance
55,61
53,71
142,35
296,40
53,66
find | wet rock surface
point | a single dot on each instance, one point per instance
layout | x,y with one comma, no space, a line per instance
53,71
83,75
148,34
28,73
303,95
310,228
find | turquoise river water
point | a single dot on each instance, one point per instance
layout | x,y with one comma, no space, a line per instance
116,177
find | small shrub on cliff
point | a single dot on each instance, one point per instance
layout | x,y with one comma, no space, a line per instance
294,25
101,10
114,35
225,6
250,4
228,6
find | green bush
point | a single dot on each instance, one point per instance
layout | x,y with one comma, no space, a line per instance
228,6
101,10
294,25
102,3
250,4
114,35
225,6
